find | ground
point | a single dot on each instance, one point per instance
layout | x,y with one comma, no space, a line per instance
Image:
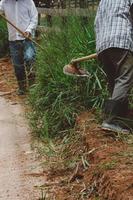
101,165
20,169
88,164
8,85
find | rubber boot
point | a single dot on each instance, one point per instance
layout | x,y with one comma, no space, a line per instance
22,87
115,108
115,113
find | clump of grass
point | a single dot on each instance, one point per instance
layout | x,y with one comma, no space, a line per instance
56,99
3,38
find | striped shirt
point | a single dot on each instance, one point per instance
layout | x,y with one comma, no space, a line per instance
113,25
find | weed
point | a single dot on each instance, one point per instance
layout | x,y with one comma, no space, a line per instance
3,38
56,99
108,165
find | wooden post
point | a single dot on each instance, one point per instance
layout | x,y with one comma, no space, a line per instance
76,3
83,4
48,4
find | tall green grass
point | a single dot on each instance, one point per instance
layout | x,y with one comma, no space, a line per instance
3,38
57,99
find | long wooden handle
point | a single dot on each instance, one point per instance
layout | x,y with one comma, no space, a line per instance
92,56
21,32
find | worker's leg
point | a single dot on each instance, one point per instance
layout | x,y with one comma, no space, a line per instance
29,58
124,80
109,70
116,107
16,51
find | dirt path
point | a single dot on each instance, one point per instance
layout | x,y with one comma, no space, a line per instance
20,170
18,165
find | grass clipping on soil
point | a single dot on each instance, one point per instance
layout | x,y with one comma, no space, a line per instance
88,164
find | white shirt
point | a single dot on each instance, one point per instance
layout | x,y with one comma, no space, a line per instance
23,14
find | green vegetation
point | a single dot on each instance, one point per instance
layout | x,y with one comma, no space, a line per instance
3,38
56,99
109,165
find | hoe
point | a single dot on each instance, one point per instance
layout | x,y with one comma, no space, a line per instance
73,68
21,32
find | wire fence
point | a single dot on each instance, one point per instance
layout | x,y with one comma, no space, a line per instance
63,9
66,3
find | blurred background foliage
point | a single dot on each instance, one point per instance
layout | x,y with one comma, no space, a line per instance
3,38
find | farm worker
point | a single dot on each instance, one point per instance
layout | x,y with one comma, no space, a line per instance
23,14
114,44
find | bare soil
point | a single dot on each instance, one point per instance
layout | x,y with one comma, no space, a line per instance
20,170
8,85
92,165
103,169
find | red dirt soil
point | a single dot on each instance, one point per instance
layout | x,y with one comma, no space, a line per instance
8,84
108,172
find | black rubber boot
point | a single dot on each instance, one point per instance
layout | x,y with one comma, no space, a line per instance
115,113
115,109
22,87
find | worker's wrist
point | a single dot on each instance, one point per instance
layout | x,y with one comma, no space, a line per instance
27,34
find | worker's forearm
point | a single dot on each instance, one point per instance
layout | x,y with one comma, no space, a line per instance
33,19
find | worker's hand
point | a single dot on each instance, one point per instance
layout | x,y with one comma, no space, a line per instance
27,34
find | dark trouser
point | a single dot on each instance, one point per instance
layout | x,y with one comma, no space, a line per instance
22,54
118,66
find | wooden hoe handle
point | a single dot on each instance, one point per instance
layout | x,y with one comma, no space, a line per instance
92,56
21,32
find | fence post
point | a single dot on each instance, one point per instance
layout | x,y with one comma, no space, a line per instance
63,6
83,4
48,4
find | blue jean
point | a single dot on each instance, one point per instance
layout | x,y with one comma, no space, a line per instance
22,54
